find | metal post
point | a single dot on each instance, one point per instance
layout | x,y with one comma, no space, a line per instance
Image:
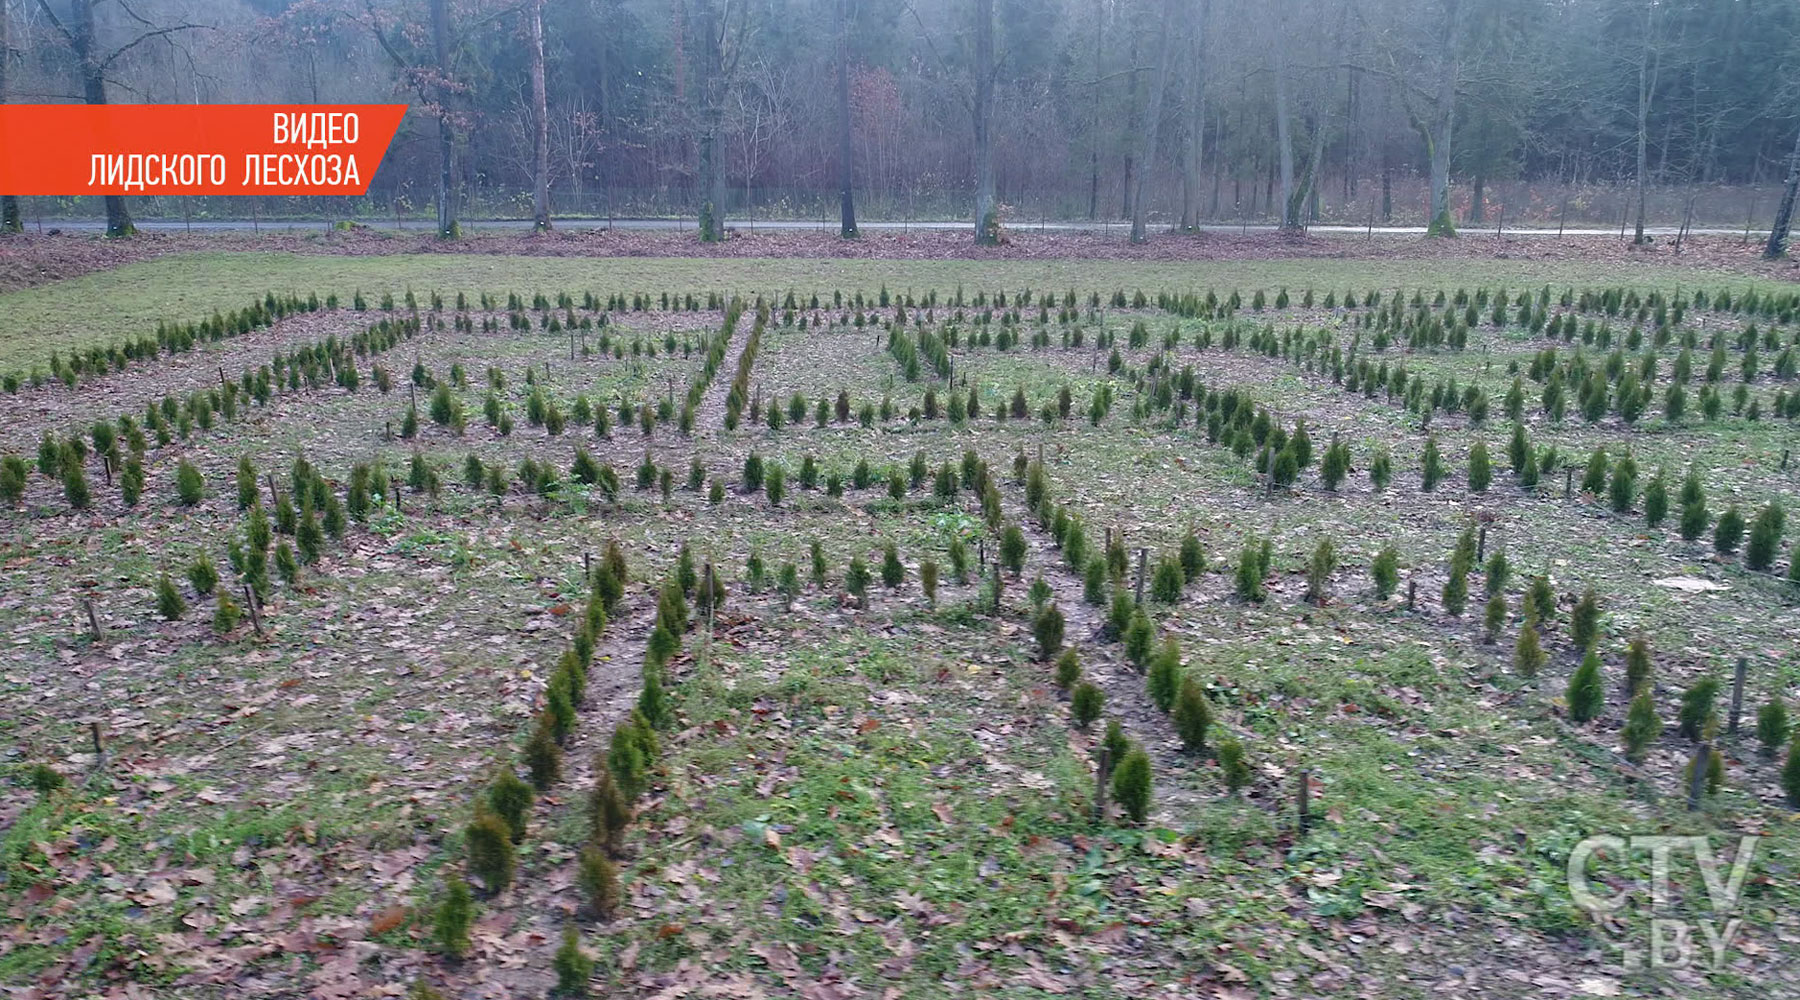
1305,803
1737,693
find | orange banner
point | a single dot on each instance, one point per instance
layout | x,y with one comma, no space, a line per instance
76,149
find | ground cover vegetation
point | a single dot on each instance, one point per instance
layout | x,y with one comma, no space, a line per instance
857,643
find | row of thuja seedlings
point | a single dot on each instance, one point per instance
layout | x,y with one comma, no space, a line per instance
305,520
122,445
445,408
1123,767
1697,715
169,338
1499,307
621,775
1615,481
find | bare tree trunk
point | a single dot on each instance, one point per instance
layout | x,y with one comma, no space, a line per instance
447,227
10,220
1784,214
1153,119
1646,84
846,171
1437,130
540,194
712,166
987,221
1196,144
1094,133
1307,189
1284,138
83,41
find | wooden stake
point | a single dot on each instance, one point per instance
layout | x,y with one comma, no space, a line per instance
106,467
587,565
274,497
1697,780
1568,481
93,619
221,376
1481,546
1304,801
1102,776
99,745
255,609
1412,594
1737,693
1140,575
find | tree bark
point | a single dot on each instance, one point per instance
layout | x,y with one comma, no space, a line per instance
1094,133
540,195
84,42
987,220
846,169
1152,120
1284,138
447,192
10,219
1196,140
1646,84
712,167
1437,130
1784,213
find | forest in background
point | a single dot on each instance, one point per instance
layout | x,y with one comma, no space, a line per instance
1165,112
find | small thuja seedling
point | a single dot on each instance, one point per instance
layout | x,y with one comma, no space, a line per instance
608,812
1528,652
893,571
1192,715
653,700
1012,550
202,574
1493,617
1586,694
1140,639
1166,586
44,779
1048,629
1068,668
1637,665
1772,726
1384,571
543,756
168,599
1131,784
1164,678
453,918
1233,766
599,881
1642,726
928,580
1086,703
226,615
574,967
1697,707
492,857
1584,621
510,799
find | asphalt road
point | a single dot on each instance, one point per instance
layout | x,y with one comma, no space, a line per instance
1121,229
